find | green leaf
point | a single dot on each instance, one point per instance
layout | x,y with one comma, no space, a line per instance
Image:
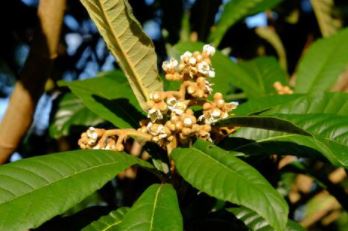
256,223
265,71
221,175
230,74
36,189
262,104
71,112
156,209
265,122
110,97
235,10
322,64
323,132
322,116
109,222
328,103
126,40
322,103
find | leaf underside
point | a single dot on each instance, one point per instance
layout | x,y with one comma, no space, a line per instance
126,40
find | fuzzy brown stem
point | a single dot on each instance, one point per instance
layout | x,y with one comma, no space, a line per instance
28,89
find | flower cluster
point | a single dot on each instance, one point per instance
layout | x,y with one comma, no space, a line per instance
171,115
282,89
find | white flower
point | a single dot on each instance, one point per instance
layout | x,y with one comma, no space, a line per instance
203,68
209,50
234,104
155,96
188,122
209,87
192,61
201,118
178,107
216,113
92,135
211,73
186,56
157,130
154,114
170,65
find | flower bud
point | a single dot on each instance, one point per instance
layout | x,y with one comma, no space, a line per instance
208,50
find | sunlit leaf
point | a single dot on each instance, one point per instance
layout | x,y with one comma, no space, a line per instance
71,112
257,223
221,175
36,189
128,43
322,64
156,209
235,10
110,97
317,121
265,71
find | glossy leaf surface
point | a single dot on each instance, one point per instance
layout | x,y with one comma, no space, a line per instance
221,175
108,222
256,223
110,97
322,64
156,209
235,10
51,184
71,112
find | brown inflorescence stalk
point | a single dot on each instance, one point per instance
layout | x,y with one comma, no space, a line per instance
171,120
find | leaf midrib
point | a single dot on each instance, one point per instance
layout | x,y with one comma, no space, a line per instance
154,206
241,177
121,49
60,180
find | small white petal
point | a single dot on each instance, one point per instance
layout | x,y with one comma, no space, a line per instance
192,61
216,113
186,56
211,74
96,147
190,90
173,63
201,118
209,50
165,66
171,101
154,114
160,129
203,68
188,121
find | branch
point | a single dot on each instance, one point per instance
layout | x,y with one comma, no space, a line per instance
37,69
